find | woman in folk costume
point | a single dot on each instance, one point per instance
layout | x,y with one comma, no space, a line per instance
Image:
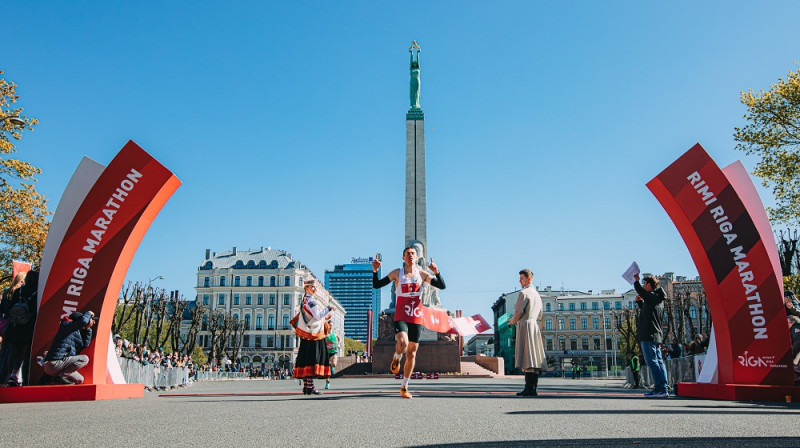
312,357
529,356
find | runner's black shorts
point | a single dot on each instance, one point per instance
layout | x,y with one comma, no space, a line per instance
414,331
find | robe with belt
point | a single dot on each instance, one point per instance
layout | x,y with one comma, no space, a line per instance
529,353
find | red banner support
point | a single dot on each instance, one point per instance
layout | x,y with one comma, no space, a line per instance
91,263
736,268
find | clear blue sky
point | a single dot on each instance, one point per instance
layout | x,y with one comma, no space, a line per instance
285,123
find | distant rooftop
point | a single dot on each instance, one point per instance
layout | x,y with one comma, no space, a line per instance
262,258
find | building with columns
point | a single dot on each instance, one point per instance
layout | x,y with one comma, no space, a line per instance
576,326
263,288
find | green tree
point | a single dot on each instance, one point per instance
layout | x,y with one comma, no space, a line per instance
23,210
352,344
773,134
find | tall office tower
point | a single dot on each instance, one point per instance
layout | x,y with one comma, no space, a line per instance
351,285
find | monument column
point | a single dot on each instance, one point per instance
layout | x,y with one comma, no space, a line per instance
415,162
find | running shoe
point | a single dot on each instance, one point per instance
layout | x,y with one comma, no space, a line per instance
327,386
654,394
394,367
405,393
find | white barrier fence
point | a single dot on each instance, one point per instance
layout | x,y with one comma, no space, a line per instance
156,377
153,376
680,370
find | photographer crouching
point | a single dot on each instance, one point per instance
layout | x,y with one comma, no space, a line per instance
63,360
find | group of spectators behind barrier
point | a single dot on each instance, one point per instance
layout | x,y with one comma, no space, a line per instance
679,370
159,377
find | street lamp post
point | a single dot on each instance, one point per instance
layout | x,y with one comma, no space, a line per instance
13,119
605,339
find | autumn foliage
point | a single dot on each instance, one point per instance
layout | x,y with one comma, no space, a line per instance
23,210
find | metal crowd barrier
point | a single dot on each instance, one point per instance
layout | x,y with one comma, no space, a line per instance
153,376
679,370
217,376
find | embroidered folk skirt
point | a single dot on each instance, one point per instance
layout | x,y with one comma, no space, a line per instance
312,360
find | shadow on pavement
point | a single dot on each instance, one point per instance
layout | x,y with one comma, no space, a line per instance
693,442
667,411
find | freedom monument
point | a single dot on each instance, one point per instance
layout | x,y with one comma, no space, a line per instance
442,353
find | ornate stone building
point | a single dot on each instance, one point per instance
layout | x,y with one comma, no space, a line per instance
262,288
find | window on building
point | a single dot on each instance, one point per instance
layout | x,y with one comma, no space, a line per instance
271,322
260,300
237,281
606,305
549,345
249,281
221,299
572,324
594,306
693,312
560,307
548,324
585,343
547,307
572,307
285,321
260,280
287,281
595,323
560,324
258,341
607,321
246,341
287,299
562,343
236,316
618,305
205,299
630,304
204,325
270,341
583,306
596,344
259,322
272,281
272,299
222,281
609,345
236,299
247,321
573,343
206,282
585,324
248,299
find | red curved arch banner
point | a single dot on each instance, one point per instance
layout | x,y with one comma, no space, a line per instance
96,250
736,267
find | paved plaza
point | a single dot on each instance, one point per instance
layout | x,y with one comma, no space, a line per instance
368,412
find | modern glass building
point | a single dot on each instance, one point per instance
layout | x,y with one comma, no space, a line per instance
351,285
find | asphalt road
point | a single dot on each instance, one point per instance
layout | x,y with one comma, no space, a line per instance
370,412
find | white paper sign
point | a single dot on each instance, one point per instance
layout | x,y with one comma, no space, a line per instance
630,272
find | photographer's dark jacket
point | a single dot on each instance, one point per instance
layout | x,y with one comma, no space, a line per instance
71,339
20,310
651,316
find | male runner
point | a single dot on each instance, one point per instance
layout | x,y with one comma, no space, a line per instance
408,282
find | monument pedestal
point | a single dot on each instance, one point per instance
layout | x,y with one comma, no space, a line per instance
432,357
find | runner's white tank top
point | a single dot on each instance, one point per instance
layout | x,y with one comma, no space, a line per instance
410,285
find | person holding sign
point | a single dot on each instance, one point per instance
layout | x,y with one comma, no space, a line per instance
408,282
650,300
